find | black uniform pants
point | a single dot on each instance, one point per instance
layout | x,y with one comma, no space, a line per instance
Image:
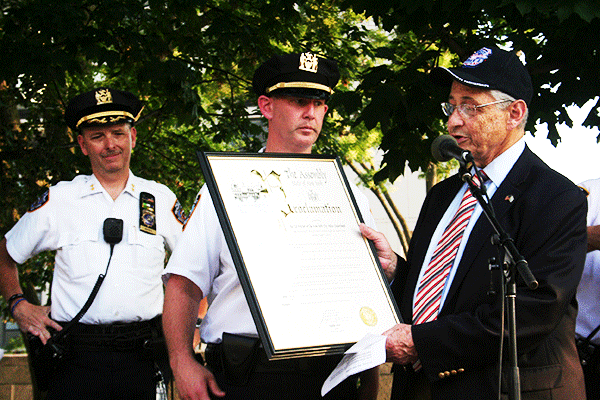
591,374
117,361
105,375
287,386
294,379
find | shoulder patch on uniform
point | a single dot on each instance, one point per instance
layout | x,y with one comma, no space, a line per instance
43,199
179,212
192,210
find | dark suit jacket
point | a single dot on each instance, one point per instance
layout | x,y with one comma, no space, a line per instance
459,351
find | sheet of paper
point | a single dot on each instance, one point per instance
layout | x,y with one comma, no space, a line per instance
367,353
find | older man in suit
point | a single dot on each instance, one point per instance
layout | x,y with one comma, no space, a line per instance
448,348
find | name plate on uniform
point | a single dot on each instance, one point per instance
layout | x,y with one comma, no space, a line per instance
313,283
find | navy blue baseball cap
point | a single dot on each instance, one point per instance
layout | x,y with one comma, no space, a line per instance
489,68
301,75
103,106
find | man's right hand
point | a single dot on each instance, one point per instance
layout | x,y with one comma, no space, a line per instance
180,313
387,258
194,381
30,318
35,320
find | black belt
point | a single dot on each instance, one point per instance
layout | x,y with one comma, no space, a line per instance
115,337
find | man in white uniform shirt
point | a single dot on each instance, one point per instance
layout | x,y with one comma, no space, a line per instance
293,100
109,357
588,295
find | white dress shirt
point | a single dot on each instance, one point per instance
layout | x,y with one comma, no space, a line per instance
588,291
69,218
496,172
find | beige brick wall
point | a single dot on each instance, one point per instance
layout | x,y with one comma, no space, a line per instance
15,381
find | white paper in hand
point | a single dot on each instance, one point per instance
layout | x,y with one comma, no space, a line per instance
367,353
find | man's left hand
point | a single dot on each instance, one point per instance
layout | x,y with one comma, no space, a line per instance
399,346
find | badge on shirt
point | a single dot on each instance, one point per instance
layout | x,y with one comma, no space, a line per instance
147,213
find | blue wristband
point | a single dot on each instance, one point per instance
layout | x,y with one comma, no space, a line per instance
12,309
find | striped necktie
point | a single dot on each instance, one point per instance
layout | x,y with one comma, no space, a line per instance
431,284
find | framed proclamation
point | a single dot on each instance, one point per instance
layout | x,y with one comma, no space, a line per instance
313,283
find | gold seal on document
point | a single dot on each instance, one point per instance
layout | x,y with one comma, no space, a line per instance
368,316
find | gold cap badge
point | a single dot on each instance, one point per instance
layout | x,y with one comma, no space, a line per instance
103,96
309,62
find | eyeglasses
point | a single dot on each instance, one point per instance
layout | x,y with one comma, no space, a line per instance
466,110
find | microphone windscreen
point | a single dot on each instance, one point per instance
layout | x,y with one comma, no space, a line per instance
440,143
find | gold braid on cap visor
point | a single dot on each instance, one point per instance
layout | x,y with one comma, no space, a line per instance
106,117
302,85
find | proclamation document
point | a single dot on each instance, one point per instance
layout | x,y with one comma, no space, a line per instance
313,283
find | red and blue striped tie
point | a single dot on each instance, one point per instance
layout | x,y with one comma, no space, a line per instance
431,284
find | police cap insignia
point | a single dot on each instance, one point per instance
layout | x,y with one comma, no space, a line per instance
309,62
103,96
301,75
102,106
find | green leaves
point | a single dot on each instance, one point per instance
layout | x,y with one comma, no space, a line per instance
192,62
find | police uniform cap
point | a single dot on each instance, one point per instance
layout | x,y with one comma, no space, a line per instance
102,106
300,75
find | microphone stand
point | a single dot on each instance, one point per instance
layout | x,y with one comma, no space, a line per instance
513,263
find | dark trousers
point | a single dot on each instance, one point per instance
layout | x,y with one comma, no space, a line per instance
409,384
294,379
591,374
589,354
105,375
288,386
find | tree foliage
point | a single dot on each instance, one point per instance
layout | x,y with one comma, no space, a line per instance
558,40
192,61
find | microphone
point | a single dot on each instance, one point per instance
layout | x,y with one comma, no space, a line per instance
113,230
445,148
113,233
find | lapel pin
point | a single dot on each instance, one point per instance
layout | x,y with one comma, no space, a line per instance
510,198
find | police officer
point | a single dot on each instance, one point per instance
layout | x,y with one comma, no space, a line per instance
109,356
292,93
588,295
